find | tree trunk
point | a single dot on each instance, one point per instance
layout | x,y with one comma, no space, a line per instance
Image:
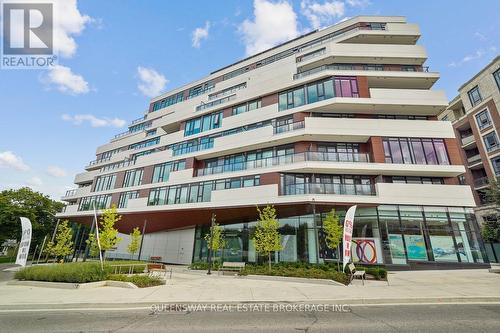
269,260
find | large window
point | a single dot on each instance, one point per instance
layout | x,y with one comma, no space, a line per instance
170,100
197,192
162,171
133,178
125,196
144,144
245,107
293,184
496,165
346,87
475,96
204,123
100,202
496,75
104,183
318,91
415,151
483,119
491,141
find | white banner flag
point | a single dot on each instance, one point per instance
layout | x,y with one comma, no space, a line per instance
24,246
347,238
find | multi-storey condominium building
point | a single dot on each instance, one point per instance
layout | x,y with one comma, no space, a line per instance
340,116
475,116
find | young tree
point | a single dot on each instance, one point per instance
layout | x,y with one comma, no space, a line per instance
63,244
490,229
333,231
135,241
108,235
215,238
267,237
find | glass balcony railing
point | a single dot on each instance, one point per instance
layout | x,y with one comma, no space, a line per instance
289,127
284,160
349,67
344,189
189,149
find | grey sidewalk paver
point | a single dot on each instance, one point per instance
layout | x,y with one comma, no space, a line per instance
186,286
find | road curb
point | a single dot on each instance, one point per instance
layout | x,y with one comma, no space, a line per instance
66,285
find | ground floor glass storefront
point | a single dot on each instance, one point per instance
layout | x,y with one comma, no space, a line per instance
384,235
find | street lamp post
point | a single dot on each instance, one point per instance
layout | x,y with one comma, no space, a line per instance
210,245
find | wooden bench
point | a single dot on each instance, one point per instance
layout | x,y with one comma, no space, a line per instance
230,266
158,270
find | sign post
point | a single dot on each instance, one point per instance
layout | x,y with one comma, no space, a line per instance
24,245
347,237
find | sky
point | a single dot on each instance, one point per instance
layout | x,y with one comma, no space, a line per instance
114,56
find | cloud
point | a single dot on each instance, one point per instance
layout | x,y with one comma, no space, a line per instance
470,57
274,23
9,160
320,15
200,34
359,3
68,23
79,119
151,82
56,171
64,80
34,181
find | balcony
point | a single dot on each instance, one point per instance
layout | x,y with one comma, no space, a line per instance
467,140
288,127
480,183
345,189
193,148
347,67
284,160
473,160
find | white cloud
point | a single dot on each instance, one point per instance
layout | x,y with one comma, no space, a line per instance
9,160
320,15
470,57
79,119
200,34
358,3
274,23
56,171
68,22
34,181
151,82
65,80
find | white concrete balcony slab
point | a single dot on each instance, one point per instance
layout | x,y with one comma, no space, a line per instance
77,193
85,177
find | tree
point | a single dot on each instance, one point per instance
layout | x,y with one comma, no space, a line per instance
217,241
333,231
108,235
490,228
135,241
63,245
37,207
267,237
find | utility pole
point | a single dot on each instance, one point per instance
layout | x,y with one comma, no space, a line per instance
41,250
142,238
212,222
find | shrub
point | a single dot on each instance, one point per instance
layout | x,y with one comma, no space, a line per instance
203,265
70,272
141,281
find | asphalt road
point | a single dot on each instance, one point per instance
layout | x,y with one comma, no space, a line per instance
381,318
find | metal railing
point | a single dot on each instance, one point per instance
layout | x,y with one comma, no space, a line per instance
118,165
94,162
138,120
289,127
314,156
481,182
344,189
70,193
349,67
207,105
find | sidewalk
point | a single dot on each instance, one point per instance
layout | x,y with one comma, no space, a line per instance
195,286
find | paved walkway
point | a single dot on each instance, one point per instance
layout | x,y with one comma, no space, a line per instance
196,286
